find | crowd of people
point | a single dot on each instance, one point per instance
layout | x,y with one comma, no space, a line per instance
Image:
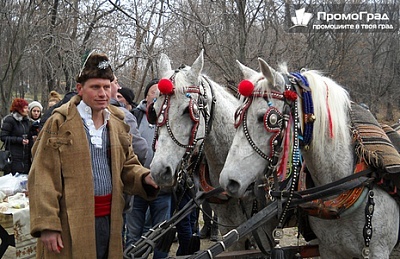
83,193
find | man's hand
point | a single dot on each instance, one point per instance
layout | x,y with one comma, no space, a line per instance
52,240
150,181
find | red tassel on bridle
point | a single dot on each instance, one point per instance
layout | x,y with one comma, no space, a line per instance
290,95
246,88
165,86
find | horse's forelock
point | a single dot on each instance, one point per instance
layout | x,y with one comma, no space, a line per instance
180,82
263,85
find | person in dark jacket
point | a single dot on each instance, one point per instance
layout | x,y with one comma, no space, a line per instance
159,208
15,135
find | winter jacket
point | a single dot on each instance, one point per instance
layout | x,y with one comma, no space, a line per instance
13,129
61,191
147,131
138,142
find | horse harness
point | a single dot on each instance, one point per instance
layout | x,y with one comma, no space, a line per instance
193,159
312,201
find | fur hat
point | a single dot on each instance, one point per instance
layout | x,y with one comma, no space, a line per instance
96,65
128,94
35,104
150,84
18,105
54,96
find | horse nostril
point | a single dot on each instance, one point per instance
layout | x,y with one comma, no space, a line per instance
233,187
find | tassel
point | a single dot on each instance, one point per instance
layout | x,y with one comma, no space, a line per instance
277,252
329,112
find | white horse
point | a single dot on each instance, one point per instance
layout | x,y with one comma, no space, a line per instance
329,155
193,110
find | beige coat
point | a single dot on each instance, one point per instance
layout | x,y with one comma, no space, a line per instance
61,191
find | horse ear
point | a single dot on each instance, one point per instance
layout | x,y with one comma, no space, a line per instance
267,71
164,65
247,72
197,66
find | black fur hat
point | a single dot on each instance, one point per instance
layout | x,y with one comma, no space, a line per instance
96,65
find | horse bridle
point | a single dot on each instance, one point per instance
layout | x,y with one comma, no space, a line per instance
277,123
197,107
274,121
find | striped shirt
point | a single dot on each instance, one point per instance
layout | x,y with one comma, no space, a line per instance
99,145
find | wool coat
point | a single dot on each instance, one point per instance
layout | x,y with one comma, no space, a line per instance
61,190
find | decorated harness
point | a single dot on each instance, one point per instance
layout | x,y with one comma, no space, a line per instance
197,107
284,145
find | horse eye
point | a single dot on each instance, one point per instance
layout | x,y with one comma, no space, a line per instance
260,118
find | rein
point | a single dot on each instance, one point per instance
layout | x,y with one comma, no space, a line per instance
145,245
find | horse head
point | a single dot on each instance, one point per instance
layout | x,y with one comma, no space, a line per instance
259,122
182,112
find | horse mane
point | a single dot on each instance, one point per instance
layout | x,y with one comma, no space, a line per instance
331,105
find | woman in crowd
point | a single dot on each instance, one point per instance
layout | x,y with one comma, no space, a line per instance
15,135
35,113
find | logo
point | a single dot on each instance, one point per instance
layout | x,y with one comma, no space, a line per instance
302,18
354,18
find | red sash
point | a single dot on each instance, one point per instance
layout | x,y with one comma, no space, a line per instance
102,205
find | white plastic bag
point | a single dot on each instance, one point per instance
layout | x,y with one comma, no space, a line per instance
10,184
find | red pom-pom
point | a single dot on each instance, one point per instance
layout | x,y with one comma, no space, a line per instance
165,86
290,95
246,88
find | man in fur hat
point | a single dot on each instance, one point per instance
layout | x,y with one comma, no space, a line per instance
83,161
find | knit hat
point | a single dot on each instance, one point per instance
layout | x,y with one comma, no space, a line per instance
96,65
35,104
128,94
18,105
150,84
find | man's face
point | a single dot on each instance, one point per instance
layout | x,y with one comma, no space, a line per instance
96,93
151,94
114,87
121,99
